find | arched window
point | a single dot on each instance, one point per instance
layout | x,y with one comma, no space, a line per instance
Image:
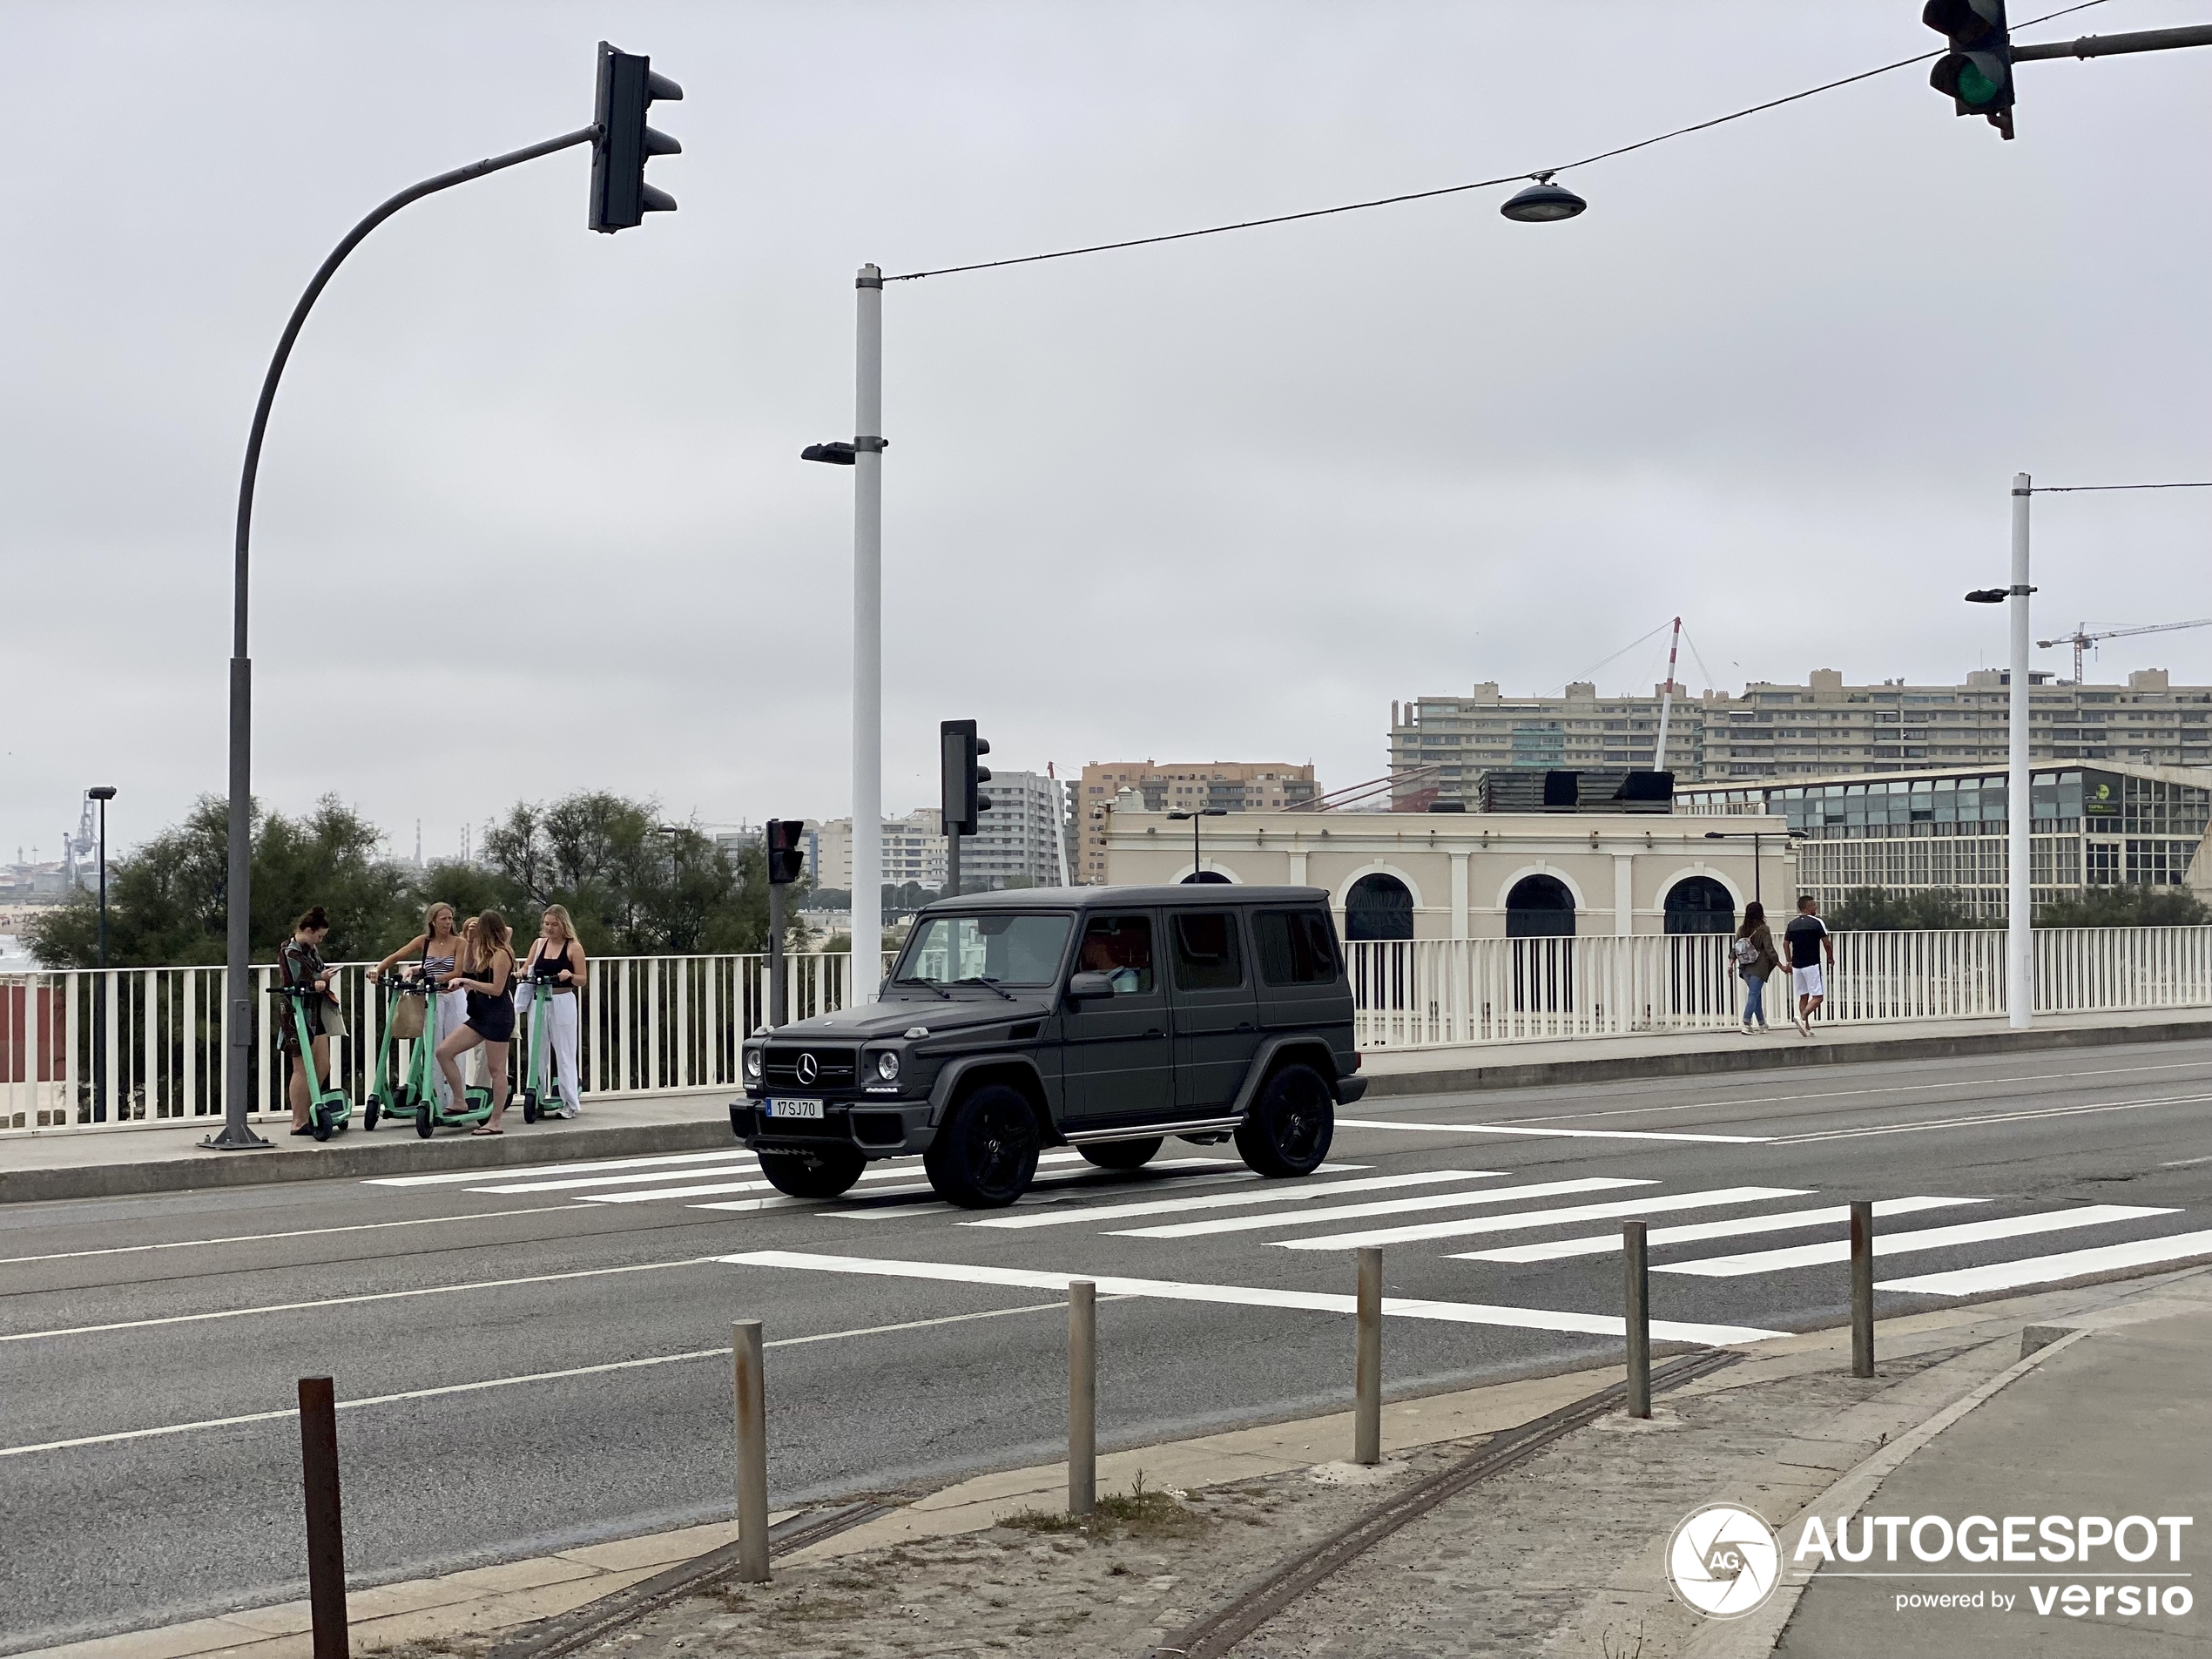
1540,907
1698,904
1379,906
1206,876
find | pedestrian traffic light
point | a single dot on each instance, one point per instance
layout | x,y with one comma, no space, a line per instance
620,196
786,854
960,746
1976,72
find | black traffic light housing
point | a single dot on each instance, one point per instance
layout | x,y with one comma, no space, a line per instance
786,853
620,196
1976,72
960,746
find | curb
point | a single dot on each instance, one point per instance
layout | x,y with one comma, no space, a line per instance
354,1159
1700,1062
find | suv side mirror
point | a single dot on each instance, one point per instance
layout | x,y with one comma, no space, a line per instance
1088,985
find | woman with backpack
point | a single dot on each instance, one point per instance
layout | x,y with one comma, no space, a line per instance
1756,957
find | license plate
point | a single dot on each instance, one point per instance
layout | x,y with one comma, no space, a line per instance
794,1109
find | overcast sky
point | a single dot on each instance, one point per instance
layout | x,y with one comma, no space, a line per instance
532,518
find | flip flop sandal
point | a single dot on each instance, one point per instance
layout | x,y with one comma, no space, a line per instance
487,1131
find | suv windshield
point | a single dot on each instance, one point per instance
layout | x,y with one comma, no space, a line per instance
1012,950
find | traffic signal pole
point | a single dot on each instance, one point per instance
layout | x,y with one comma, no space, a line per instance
2020,939
237,1134
867,641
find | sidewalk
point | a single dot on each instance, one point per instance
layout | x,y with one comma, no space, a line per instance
124,1161
1561,1555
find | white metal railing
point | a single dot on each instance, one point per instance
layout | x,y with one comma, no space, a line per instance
652,1025
661,1024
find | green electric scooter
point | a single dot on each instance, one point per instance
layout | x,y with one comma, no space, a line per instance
398,1097
422,1085
329,1110
539,1100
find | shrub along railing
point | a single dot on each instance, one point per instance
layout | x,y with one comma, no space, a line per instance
661,1024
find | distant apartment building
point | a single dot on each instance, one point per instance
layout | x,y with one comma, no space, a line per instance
913,850
1021,841
1232,786
1821,729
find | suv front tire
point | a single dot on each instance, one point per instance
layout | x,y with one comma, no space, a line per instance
1289,1128
817,1174
985,1153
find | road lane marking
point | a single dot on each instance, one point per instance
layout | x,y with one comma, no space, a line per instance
1549,1134
1381,1207
1246,1296
345,1301
2047,1269
263,1239
1980,1119
737,1163
848,1197
1691,1232
531,1376
1277,1193
1967,1232
451,1176
1461,1229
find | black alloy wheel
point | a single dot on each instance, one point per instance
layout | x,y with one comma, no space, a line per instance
1288,1130
1122,1155
986,1152
813,1174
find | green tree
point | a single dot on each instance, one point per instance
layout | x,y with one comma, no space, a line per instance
168,901
2140,905
1880,909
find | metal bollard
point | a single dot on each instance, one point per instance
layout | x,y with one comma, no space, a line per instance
1862,1288
326,1533
1083,1397
1366,1433
751,1394
1638,1300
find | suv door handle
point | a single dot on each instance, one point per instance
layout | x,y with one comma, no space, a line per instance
1154,1031
1244,1025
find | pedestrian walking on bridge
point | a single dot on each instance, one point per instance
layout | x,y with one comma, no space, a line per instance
1807,937
1756,960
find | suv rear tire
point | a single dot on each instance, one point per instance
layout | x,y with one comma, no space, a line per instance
985,1153
1123,1155
823,1174
1288,1129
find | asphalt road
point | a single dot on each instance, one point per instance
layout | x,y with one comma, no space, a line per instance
537,1358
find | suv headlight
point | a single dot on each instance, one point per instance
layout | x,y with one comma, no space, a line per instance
886,1067
752,1064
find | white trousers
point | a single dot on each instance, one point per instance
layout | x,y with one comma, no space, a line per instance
453,1013
561,1052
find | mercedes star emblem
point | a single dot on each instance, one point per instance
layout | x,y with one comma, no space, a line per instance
809,1069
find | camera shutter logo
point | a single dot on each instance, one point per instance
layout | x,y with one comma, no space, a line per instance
809,1068
1724,1561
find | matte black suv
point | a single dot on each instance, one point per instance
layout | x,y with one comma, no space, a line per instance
1102,1018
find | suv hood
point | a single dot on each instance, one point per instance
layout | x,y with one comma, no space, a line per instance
893,1019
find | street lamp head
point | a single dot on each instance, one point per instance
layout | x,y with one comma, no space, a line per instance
836,454
101,792
1179,817
1716,835
1542,202
1987,597
1214,812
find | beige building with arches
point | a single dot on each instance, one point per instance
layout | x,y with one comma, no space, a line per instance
1479,875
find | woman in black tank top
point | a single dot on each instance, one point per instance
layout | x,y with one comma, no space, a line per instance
487,974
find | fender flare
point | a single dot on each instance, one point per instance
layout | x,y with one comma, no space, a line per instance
956,1072
1305,1045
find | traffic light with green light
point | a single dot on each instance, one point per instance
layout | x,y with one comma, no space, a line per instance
1976,72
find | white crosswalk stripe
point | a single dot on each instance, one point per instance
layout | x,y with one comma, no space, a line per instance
1383,1207
738,1162
1656,1204
1275,1192
1694,1231
2052,1270
456,1177
1970,1232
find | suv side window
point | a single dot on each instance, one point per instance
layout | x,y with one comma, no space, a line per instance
1209,956
1296,947
1120,948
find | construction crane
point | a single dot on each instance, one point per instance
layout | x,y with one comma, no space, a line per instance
2082,637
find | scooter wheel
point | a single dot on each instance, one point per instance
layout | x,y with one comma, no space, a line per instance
318,1120
423,1115
530,1114
372,1109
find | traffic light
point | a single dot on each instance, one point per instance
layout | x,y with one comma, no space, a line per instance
786,854
1976,72
620,196
961,804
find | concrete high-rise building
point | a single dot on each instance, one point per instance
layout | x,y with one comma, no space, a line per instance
1233,785
1821,729
1022,840
913,850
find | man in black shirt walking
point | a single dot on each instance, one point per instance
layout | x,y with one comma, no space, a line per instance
1806,938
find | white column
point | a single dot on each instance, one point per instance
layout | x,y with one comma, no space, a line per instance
868,639
2020,981
1458,896
1625,894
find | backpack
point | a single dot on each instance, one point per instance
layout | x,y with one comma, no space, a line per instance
1745,952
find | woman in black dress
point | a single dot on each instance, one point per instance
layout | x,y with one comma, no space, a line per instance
487,974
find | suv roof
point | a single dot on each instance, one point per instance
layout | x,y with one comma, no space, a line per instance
1189,892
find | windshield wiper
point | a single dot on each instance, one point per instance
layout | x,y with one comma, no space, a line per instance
931,984
979,979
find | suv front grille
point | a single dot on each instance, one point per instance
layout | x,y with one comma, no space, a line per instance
835,1067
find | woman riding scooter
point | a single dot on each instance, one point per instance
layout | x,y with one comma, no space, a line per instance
438,944
558,956
487,974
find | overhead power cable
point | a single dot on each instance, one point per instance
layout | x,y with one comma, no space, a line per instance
1455,190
